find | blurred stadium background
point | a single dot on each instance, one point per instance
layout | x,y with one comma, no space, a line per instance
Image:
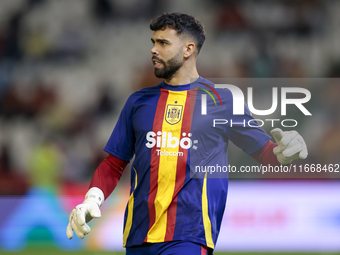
66,69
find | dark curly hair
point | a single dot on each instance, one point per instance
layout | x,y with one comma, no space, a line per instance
183,24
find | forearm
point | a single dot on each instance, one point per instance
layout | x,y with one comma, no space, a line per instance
108,173
266,156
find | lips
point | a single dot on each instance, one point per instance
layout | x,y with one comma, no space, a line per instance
157,63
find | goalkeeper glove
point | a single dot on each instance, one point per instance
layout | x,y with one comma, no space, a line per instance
85,212
290,146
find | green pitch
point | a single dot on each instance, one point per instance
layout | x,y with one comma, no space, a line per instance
51,251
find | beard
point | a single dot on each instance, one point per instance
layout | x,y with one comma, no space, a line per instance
170,67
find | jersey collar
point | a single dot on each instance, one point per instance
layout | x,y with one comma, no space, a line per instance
182,87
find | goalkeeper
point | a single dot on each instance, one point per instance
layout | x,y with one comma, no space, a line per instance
169,211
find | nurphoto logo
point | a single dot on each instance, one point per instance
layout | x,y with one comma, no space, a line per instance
239,99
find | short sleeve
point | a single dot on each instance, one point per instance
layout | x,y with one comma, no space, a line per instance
245,132
121,142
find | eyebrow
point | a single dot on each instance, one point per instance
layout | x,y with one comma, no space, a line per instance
160,40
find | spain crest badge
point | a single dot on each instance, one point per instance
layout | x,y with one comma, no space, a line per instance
173,113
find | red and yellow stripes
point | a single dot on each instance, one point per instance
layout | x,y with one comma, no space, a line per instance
165,178
157,125
180,173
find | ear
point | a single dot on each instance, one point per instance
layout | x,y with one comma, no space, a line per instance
189,49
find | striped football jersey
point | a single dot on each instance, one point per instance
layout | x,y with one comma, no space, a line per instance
176,150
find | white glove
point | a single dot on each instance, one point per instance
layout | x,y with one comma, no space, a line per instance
290,146
85,212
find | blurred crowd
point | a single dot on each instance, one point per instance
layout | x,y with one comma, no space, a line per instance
67,67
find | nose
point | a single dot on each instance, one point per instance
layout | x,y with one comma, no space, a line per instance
154,50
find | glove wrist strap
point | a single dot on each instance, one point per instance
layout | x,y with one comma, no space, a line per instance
96,195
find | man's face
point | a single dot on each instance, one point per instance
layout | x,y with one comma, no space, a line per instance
167,53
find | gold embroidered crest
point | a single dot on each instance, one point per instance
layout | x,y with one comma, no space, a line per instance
173,113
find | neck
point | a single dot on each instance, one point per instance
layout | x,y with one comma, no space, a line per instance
185,75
